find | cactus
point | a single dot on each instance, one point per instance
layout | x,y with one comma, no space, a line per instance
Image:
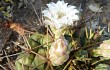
29,61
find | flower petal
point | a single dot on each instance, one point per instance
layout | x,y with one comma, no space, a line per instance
61,14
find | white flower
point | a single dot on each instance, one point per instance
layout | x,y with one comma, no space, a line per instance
60,14
59,51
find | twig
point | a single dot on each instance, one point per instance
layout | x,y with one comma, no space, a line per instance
26,41
50,65
67,65
99,61
39,65
40,45
30,50
29,31
47,43
42,57
90,16
88,46
3,67
47,67
36,14
9,62
10,55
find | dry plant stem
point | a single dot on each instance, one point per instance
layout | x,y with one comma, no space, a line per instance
42,57
9,62
36,47
42,19
50,32
49,62
41,45
29,31
37,14
86,65
22,47
30,51
47,43
47,67
20,57
10,55
98,61
30,25
72,64
88,46
39,64
90,16
3,67
27,21
26,41
48,50
67,65
91,45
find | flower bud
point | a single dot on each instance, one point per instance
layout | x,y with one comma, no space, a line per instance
59,51
104,49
